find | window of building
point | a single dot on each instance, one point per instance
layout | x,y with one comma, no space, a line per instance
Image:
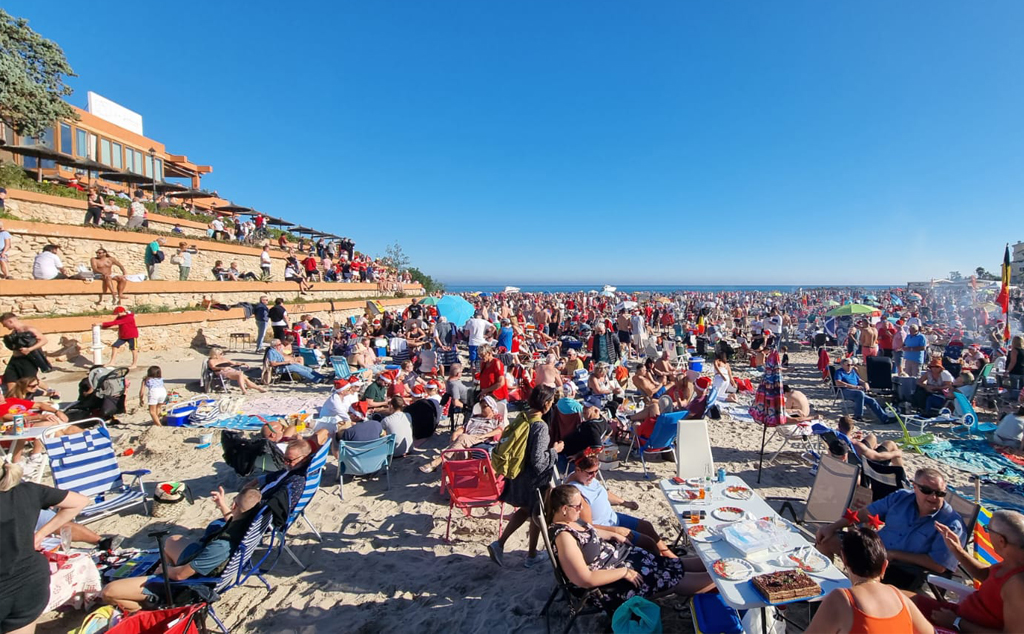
159,170
129,159
105,152
116,156
92,146
147,166
81,143
45,140
67,141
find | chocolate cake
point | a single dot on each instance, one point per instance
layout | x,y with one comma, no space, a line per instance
785,585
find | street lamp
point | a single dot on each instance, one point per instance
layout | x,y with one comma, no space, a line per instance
152,163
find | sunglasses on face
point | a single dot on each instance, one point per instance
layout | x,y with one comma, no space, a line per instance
594,472
926,490
576,506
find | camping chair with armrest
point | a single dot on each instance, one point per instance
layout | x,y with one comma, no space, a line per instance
969,423
314,474
661,441
310,358
579,600
341,367
86,463
364,458
883,479
837,392
830,496
469,479
909,441
272,374
489,445
799,433
240,565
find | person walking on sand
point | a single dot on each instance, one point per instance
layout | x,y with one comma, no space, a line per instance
103,265
127,333
154,384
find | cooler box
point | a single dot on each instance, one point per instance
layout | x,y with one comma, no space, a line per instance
179,415
381,345
712,615
696,364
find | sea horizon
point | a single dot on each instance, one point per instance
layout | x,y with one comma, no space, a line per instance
662,288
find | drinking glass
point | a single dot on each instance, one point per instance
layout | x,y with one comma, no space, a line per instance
65,540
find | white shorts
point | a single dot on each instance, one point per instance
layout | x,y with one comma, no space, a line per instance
157,396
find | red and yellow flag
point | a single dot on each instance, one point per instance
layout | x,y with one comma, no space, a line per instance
1004,294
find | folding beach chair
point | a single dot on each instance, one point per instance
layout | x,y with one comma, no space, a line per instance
969,424
797,433
830,496
662,439
272,374
314,473
341,368
883,479
909,441
85,463
579,600
310,358
240,565
469,479
364,458
693,449
837,392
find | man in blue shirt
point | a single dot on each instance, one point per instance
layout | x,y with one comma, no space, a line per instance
276,359
914,547
914,347
261,313
855,391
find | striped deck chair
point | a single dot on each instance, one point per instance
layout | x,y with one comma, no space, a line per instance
314,473
85,463
341,367
239,567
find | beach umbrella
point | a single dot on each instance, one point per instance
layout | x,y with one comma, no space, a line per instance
871,297
279,222
832,302
232,208
625,305
86,164
40,152
455,309
853,309
165,187
989,307
607,294
896,301
128,178
485,294
191,194
663,300
769,406
429,301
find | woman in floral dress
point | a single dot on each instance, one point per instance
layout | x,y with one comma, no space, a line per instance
596,558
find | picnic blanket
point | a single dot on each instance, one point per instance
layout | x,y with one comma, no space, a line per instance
980,458
274,404
240,422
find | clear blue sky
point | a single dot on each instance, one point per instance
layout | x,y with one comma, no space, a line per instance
607,142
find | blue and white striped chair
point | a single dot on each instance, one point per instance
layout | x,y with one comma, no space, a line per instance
239,567
86,463
314,473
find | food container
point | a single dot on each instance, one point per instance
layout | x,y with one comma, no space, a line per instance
751,539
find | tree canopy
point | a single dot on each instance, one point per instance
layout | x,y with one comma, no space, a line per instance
32,74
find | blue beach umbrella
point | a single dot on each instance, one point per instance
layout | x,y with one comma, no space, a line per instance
455,309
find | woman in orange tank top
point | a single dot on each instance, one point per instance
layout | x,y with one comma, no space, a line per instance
870,606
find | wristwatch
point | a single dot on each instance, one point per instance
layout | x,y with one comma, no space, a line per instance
956,623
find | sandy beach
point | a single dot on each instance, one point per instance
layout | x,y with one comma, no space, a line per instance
384,563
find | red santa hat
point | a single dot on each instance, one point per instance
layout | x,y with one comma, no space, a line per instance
357,411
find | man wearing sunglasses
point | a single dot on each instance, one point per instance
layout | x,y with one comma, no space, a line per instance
914,545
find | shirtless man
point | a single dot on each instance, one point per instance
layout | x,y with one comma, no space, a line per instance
541,318
868,446
645,381
868,339
103,265
798,408
546,373
663,369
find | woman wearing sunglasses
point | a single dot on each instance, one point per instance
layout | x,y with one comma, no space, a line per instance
597,508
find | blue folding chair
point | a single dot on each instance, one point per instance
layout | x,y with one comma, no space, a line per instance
341,368
364,458
314,473
309,358
969,422
662,439
86,463
240,565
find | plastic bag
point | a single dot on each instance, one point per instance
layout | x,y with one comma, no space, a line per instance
637,616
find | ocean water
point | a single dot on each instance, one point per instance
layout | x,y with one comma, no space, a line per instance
651,288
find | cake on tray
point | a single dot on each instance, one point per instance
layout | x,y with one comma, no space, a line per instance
786,585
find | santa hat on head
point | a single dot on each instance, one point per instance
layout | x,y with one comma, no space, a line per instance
357,411
120,310
390,376
703,383
419,390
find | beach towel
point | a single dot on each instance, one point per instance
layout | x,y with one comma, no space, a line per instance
980,458
240,422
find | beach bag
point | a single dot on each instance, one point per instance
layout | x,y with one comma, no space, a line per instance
206,413
158,257
168,497
637,616
188,619
102,619
508,457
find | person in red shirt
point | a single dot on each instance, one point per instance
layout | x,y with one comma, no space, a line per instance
492,375
311,267
127,333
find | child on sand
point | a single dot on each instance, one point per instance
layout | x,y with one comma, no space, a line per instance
154,383
127,333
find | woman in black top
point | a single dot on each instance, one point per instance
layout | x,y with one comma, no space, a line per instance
278,318
25,573
95,207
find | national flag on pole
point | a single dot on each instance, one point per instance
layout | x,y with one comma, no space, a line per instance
1003,299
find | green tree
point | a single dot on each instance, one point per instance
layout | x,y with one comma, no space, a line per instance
955,276
396,256
32,73
430,285
985,275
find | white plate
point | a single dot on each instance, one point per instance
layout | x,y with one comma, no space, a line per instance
701,533
681,495
728,514
733,569
811,558
694,482
738,493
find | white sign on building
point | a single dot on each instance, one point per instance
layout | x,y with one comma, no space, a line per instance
114,113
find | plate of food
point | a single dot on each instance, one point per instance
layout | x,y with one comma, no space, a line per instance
682,495
728,514
738,492
703,534
806,559
694,482
733,569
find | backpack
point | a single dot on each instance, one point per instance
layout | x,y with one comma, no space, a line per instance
158,256
508,457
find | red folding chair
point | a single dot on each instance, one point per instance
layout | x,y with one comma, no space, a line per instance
188,619
471,483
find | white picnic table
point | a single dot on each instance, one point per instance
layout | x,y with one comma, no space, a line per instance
29,433
741,595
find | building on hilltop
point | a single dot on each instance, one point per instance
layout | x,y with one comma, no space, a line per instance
112,135
1017,264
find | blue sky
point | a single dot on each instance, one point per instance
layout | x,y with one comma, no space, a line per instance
601,142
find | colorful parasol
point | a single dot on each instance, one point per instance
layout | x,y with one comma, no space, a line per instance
769,407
